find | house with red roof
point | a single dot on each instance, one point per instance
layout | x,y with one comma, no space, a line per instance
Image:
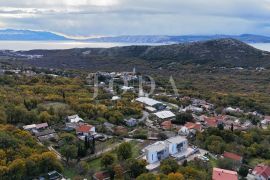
211,121
85,129
261,172
223,174
235,158
194,126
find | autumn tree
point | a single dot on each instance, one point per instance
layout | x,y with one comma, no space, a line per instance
175,176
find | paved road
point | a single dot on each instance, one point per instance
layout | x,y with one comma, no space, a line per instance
58,155
144,117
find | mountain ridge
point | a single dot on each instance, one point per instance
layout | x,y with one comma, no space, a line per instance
32,35
220,52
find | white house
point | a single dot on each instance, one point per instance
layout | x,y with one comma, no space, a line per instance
156,152
35,126
74,119
192,108
163,149
165,115
177,145
148,101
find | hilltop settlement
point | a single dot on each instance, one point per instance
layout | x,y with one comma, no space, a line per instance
58,124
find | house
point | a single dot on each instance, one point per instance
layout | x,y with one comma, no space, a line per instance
41,126
115,98
54,175
156,152
152,103
150,109
166,125
193,109
233,110
160,150
223,174
120,131
236,159
29,127
32,127
131,122
109,127
47,134
127,88
266,121
261,172
184,131
74,119
177,145
194,126
165,115
211,122
85,129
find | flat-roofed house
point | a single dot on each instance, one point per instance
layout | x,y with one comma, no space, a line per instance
177,145
165,115
152,103
32,127
156,152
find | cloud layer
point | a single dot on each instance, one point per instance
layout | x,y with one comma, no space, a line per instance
138,17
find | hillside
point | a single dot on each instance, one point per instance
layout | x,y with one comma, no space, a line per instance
248,38
28,35
221,52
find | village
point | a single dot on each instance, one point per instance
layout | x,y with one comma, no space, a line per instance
164,130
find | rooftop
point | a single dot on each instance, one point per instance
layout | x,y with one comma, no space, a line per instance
158,146
222,174
165,114
262,170
232,156
147,101
85,128
176,139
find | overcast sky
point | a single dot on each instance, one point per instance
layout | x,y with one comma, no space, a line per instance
138,17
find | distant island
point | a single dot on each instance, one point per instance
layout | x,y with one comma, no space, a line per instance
31,35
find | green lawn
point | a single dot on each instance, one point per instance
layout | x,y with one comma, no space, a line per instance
69,172
96,165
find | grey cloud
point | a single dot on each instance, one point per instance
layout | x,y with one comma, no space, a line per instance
139,16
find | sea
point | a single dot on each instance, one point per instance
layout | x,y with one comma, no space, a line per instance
30,45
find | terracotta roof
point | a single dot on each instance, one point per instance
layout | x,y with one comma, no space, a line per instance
262,170
211,121
232,156
101,176
191,125
166,124
223,174
85,128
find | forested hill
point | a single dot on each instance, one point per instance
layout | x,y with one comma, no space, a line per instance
220,52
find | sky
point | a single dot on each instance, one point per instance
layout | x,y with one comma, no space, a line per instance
84,18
